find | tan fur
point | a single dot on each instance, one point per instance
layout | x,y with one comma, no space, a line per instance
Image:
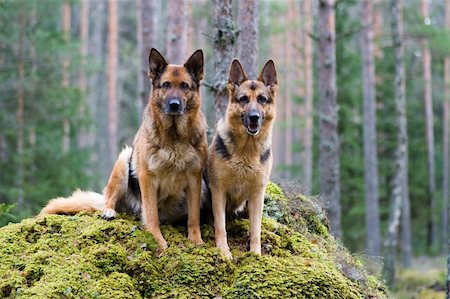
77,202
241,176
169,153
167,159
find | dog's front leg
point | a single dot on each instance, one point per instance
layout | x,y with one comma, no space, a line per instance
219,202
117,184
255,210
193,203
150,207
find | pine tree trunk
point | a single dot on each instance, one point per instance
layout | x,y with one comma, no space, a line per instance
66,78
328,119
401,152
308,79
298,88
429,135
147,26
248,36
97,92
446,129
288,88
140,84
112,80
20,109
177,31
373,239
224,38
276,53
84,138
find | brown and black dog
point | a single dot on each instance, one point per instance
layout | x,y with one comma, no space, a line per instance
160,177
240,158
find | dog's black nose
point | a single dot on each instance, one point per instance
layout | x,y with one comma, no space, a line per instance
254,116
174,104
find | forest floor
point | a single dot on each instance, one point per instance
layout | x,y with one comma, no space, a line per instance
425,279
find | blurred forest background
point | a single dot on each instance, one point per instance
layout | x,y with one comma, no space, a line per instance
74,85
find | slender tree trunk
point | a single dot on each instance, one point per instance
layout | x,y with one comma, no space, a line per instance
288,60
190,27
401,152
377,27
446,125
146,16
328,119
224,38
84,38
276,52
66,78
84,138
298,88
308,79
373,239
248,36
177,11
112,80
429,135
140,85
97,92
20,109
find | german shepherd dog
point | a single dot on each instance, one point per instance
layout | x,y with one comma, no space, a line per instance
159,178
240,159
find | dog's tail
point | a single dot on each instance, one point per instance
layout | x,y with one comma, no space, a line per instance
79,201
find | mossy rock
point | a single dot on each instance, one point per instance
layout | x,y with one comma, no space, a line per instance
84,256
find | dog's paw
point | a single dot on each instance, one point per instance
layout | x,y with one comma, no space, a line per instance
196,239
109,214
226,252
162,246
198,242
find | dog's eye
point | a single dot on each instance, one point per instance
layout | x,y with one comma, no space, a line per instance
166,85
184,86
262,99
243,100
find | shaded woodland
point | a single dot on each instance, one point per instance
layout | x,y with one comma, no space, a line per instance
362,112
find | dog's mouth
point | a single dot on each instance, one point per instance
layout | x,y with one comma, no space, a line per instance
174,113
253,129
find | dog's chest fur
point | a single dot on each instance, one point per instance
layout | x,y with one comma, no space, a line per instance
172,165
240,170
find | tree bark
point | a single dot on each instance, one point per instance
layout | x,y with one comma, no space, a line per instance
147,26
20,109
112,80
177,31
84,138
66,78
373,239
288,87
329,166
308,28
401,152
248,36
429,135
445,178
97,91
224,38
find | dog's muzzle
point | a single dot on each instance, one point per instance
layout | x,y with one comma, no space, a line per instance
252,122
174,106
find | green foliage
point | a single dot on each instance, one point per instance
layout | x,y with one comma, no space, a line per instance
48,170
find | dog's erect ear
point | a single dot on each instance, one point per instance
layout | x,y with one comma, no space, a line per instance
237,74
269,74
156,64
194,65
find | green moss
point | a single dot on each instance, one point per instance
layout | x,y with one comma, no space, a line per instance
86,256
